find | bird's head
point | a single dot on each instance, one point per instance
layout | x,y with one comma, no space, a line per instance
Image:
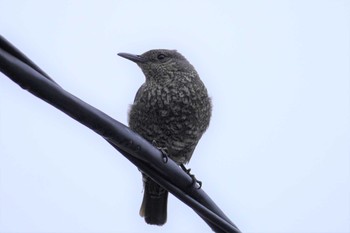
160,64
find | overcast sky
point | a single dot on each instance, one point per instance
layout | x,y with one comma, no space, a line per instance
275,157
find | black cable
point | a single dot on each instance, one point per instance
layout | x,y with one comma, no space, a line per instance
145,156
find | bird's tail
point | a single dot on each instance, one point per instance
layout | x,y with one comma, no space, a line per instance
154,204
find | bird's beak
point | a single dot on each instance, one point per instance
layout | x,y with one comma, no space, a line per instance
132,57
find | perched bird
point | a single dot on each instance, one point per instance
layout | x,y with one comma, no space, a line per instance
172,110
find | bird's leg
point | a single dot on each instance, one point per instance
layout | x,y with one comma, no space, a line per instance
194,179
164,151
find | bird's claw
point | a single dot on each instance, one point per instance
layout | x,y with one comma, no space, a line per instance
194,179
164,155
164,151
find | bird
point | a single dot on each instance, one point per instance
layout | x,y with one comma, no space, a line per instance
171,110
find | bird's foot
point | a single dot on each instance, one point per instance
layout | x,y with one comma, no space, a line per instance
194,179
164,151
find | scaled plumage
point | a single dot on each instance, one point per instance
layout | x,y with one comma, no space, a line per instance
171,109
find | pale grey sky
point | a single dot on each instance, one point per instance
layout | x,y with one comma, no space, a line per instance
275,157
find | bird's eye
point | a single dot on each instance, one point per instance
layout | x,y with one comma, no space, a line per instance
161,56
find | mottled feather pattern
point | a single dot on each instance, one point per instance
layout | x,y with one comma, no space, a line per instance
175,114
172,110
